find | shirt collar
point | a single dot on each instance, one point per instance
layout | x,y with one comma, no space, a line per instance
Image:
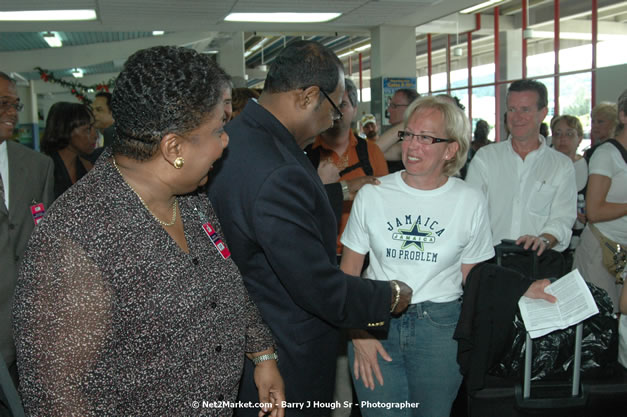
352,141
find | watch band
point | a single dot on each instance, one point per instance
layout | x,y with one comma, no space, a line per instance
345,191
268,356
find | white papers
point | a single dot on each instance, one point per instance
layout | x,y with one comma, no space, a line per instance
574,304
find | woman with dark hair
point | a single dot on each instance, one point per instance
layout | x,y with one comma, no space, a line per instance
69,137
128,302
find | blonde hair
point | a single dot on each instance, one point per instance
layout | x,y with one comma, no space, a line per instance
571,121
607,111
456,126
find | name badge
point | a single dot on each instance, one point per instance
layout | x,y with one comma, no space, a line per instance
217,242
37,211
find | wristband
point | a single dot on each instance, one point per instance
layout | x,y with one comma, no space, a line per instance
345,192
262,358
397,297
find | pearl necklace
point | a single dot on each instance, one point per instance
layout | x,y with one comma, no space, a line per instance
161,222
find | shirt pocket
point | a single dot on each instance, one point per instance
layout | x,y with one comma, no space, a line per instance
541,198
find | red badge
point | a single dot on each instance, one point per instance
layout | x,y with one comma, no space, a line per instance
38,211
217,242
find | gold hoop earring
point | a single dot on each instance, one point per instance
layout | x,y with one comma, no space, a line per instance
178,163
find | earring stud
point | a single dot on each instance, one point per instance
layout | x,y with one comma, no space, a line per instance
178,163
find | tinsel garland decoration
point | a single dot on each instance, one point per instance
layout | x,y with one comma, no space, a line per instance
79,90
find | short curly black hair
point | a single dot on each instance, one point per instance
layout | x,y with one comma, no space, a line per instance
161,90
303,64
63,118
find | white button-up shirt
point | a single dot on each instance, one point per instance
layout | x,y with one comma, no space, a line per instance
4,170
526,197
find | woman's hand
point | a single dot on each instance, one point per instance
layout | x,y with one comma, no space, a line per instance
366,362
271,388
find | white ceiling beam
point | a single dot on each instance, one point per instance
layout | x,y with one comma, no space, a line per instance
80,56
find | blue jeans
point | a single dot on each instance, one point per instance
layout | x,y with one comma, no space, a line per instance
424,365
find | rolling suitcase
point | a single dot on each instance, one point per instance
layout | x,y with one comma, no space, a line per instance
504,397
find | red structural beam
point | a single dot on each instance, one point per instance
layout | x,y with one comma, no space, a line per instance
524,41
595,23
497,77
556,50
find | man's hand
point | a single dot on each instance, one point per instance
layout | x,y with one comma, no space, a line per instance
536,290
404,299
355,184
328,172
535,243
271,388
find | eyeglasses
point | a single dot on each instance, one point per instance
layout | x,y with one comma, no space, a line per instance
395,106
5,105
422,139
338,113
569,134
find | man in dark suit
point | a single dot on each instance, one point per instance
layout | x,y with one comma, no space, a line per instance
282,231
26,182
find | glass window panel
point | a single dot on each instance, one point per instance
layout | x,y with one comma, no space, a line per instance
575,100
483,108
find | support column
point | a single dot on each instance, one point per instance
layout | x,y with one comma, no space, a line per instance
231,59
510,58
392,56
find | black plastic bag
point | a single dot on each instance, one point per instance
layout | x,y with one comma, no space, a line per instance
553,354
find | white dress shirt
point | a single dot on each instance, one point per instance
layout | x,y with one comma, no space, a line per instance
4,170
526,197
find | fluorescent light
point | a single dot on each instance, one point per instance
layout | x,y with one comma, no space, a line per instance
282,17
157,32
52,40
77,73
481,6
48,15
353,51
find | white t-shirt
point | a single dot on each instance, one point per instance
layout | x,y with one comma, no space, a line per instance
526,197
608,161
420,237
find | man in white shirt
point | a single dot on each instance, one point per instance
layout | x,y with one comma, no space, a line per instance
530,188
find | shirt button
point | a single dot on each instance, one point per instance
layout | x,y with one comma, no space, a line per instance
195,261
218,348
213,305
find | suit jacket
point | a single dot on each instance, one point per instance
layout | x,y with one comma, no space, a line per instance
282,231
31,179
485,328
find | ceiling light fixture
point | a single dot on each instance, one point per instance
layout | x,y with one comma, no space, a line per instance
48,15
282,17
480,6
77,73
52,40
157,32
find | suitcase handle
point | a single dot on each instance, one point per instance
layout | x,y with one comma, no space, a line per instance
506,246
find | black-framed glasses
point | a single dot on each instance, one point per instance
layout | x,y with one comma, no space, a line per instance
338,113
422,139
6,105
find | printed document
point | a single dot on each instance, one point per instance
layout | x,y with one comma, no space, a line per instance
574,304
